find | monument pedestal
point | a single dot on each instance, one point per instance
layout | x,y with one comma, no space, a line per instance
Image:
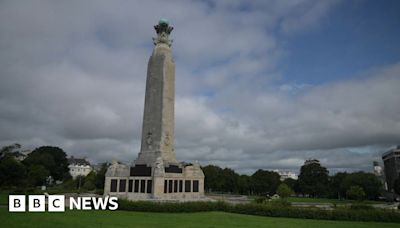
182,182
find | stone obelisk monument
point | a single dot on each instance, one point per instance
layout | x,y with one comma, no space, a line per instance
156,174
158,118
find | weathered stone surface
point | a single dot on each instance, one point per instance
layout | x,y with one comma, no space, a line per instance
158,119
169,179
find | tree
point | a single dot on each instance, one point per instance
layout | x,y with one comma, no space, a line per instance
313,180
12,172
336,188
229,180
367,181
37,175
355,193
284,191
244,183
6,150
218,179
53,159
291,183
101,175
265,182
89,181
212,178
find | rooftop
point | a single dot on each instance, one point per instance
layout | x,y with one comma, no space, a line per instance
77,161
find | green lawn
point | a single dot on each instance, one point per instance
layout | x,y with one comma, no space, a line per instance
3,198
99,219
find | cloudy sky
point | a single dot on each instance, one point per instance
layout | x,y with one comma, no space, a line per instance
259,84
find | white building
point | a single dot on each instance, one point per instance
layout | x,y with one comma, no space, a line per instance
79,167
286,174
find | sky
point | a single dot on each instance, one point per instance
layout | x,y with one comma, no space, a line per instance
259,84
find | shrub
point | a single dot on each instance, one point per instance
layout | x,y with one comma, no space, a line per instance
278,203
89,185
172,207
355,193
260,199
361,206
284,191
377,215
99,191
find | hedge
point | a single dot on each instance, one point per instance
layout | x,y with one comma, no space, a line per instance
346,214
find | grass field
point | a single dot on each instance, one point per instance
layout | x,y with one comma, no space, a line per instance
3,198
141,219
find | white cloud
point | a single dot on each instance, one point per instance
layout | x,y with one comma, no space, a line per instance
73,75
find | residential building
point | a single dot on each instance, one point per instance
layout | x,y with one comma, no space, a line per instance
286,174
79,167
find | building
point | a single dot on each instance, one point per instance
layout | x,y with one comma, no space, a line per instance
391,162
377,169
78,167
378,172
286,174
156,174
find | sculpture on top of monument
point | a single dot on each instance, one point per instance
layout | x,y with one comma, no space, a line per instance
163,31
156,173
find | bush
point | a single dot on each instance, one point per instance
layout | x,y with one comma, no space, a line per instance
284,191
260,199
99,191
355,193
278,203
360,206
89,185
377,215
148,206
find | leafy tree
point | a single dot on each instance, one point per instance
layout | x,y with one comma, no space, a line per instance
69,184
37,175
79,181
12,172
313,180
89,185
6,150
367,181
213,178
53,159
218,179
336,188
284,191
100,176
244,184
229,180
291,183
89,181
265,182
355,193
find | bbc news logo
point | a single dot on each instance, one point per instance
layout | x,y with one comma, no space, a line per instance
56,203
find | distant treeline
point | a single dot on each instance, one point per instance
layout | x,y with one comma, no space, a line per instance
313,181
47,164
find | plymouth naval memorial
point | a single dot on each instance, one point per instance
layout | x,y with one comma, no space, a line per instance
156,174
